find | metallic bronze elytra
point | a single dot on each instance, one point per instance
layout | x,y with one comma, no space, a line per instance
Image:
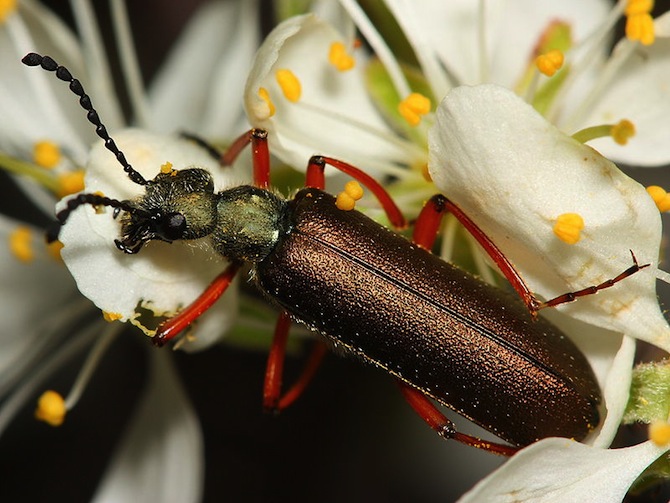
371,294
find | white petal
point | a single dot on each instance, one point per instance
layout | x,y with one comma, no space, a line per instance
201,85
33,296
160,457
638,91
560,470
514,173
162,277
334,115
512,29
611,357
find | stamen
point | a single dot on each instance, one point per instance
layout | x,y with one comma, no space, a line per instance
70,183
21,244
46,154
568,227
659,433
660,197
340,58
92,360
639,23
346,200
167,168
620,132
623,131
413,107
51,408
265,96
289,84
550,62
53,249
7,7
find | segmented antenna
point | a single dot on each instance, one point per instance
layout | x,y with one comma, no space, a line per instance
93,200
47,63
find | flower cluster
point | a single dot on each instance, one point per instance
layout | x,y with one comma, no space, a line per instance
516,111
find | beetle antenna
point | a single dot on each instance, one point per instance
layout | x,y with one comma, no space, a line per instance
93,200
47,63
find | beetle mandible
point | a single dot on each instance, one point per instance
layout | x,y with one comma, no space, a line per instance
369,292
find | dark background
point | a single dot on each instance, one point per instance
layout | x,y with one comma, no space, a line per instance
350,438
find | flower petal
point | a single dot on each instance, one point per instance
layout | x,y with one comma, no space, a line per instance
162,277
511,28
196,92
637,91
514,173
160,457
28,310
333,114
559,470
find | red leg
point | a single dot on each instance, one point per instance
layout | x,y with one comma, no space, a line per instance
260,154
315,178
444,427
426,228
170,328
275,367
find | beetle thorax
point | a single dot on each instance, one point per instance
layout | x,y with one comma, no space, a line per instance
250,223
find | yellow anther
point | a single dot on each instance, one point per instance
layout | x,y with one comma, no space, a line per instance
289,83
660,197
340,58
99,208
53,249
425,172
167,168
21,244
70,183
413,107
346,200
265,96
7,7
623,131
568,227
639,23
46,154
637,7
550,62
110,317
659,433
354,189
51,408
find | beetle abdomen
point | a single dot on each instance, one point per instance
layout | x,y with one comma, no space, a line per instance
462,342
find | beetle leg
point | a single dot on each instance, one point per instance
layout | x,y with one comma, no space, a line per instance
260,153
426,228
425,231
315,178
170,328
275,366
443,426
590,290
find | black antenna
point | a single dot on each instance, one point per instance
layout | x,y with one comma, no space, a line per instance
93,200
47,63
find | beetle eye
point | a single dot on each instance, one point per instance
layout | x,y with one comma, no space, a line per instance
173,226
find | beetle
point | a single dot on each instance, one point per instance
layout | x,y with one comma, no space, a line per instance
443,334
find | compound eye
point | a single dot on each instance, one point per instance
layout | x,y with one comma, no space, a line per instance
173,226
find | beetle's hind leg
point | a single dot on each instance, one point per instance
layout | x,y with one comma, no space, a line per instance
273,401
425,231
444,427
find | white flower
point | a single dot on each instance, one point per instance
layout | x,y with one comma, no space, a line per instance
48,323
512,169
